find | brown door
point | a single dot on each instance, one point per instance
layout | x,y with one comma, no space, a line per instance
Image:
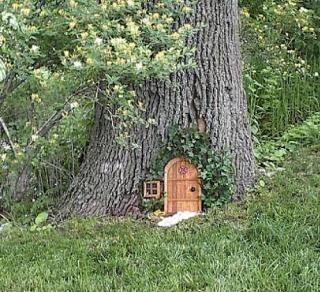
182,187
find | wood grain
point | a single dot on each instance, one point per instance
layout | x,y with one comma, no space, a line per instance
182,187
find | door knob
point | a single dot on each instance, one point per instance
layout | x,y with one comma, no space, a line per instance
193,189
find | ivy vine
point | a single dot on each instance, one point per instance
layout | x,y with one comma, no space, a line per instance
216,170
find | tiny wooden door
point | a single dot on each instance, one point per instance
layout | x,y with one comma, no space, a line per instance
182,187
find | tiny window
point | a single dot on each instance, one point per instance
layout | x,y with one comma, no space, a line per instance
152,189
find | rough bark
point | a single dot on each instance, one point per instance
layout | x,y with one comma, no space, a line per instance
210,97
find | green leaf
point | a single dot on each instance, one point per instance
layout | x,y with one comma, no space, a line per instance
262,183
41,218
33,227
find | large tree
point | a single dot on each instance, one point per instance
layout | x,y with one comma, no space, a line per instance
211,97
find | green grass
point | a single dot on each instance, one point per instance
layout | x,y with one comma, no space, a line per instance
268,243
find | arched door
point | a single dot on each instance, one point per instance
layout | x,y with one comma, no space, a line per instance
182,187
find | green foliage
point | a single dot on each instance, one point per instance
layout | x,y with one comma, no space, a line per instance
153,205
281,63
109,55
25,212
216,171
74,54
273,153
40,223
269,243
41,218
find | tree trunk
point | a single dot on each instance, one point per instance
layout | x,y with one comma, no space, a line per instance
210,97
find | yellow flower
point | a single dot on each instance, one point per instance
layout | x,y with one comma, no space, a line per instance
2,40
175,36
72,24
84,35
3,157
303,10
155,15
43,13
130,3
132,27
62,12
115,6
25,11
159,56
73,3
35,97
120,61
244,12
31,29
169,20
284,47
185,28
279,10
146,21
15,6
160,27
90,61
117,88
292,3
186,9
117,41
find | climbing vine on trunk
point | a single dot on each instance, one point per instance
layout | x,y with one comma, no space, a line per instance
216,171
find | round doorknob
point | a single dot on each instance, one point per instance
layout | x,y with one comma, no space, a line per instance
193,189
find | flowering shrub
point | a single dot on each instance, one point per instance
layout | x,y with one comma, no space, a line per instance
58,58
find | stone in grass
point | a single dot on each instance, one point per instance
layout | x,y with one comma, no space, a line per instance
176,218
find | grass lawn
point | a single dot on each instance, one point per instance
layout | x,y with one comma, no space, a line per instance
270,243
